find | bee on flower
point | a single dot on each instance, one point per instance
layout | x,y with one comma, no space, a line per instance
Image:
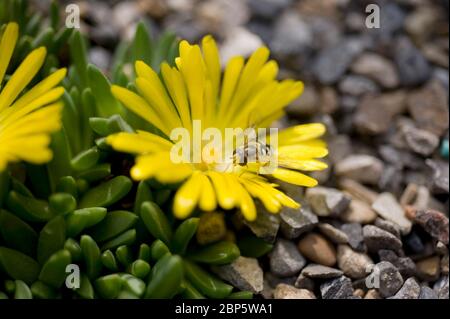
196,90
27,117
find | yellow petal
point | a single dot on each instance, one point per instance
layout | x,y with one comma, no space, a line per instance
22,76
301,133
177,90
246,81
194,77
294,177
11,114
301,151
256,190
44,120
230,80
41,88
247,205
187,197
212,61
171,174
133,143
225,195
155,98
7,45
302,165
208,200
139,106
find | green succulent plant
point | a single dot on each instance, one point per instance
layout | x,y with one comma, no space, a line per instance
81,208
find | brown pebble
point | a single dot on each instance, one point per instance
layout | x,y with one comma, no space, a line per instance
410,212
429,268
372,294
283,291
359,293
317,249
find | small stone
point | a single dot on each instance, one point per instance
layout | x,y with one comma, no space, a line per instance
400,157
362,168
285,260
412,66
420,141
326,201
283,291
359,212
427,293
239,41
348,104
377,68
376,238
357,85
317,249
268,9
322,272
220,16
444,264
326,32
387,207
421,22
429,269
389,278
355,21
211,228
359,293
405,265
335,235
441,76
441,248
372,294
332,62
125,14
436,54
295,222
410,290
375,113
440,179
184,25
266,225
391,179
339,147
306,104
392,17
441,287
435,223
357,190
286,42
304,282
429,108
338,288
388,226
243,273
275,280
413,244
354,232
180,5
417,196
328,100
354,265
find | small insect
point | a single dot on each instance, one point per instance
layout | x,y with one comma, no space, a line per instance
252,151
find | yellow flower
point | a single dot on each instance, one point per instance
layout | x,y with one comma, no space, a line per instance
26,120
247,94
